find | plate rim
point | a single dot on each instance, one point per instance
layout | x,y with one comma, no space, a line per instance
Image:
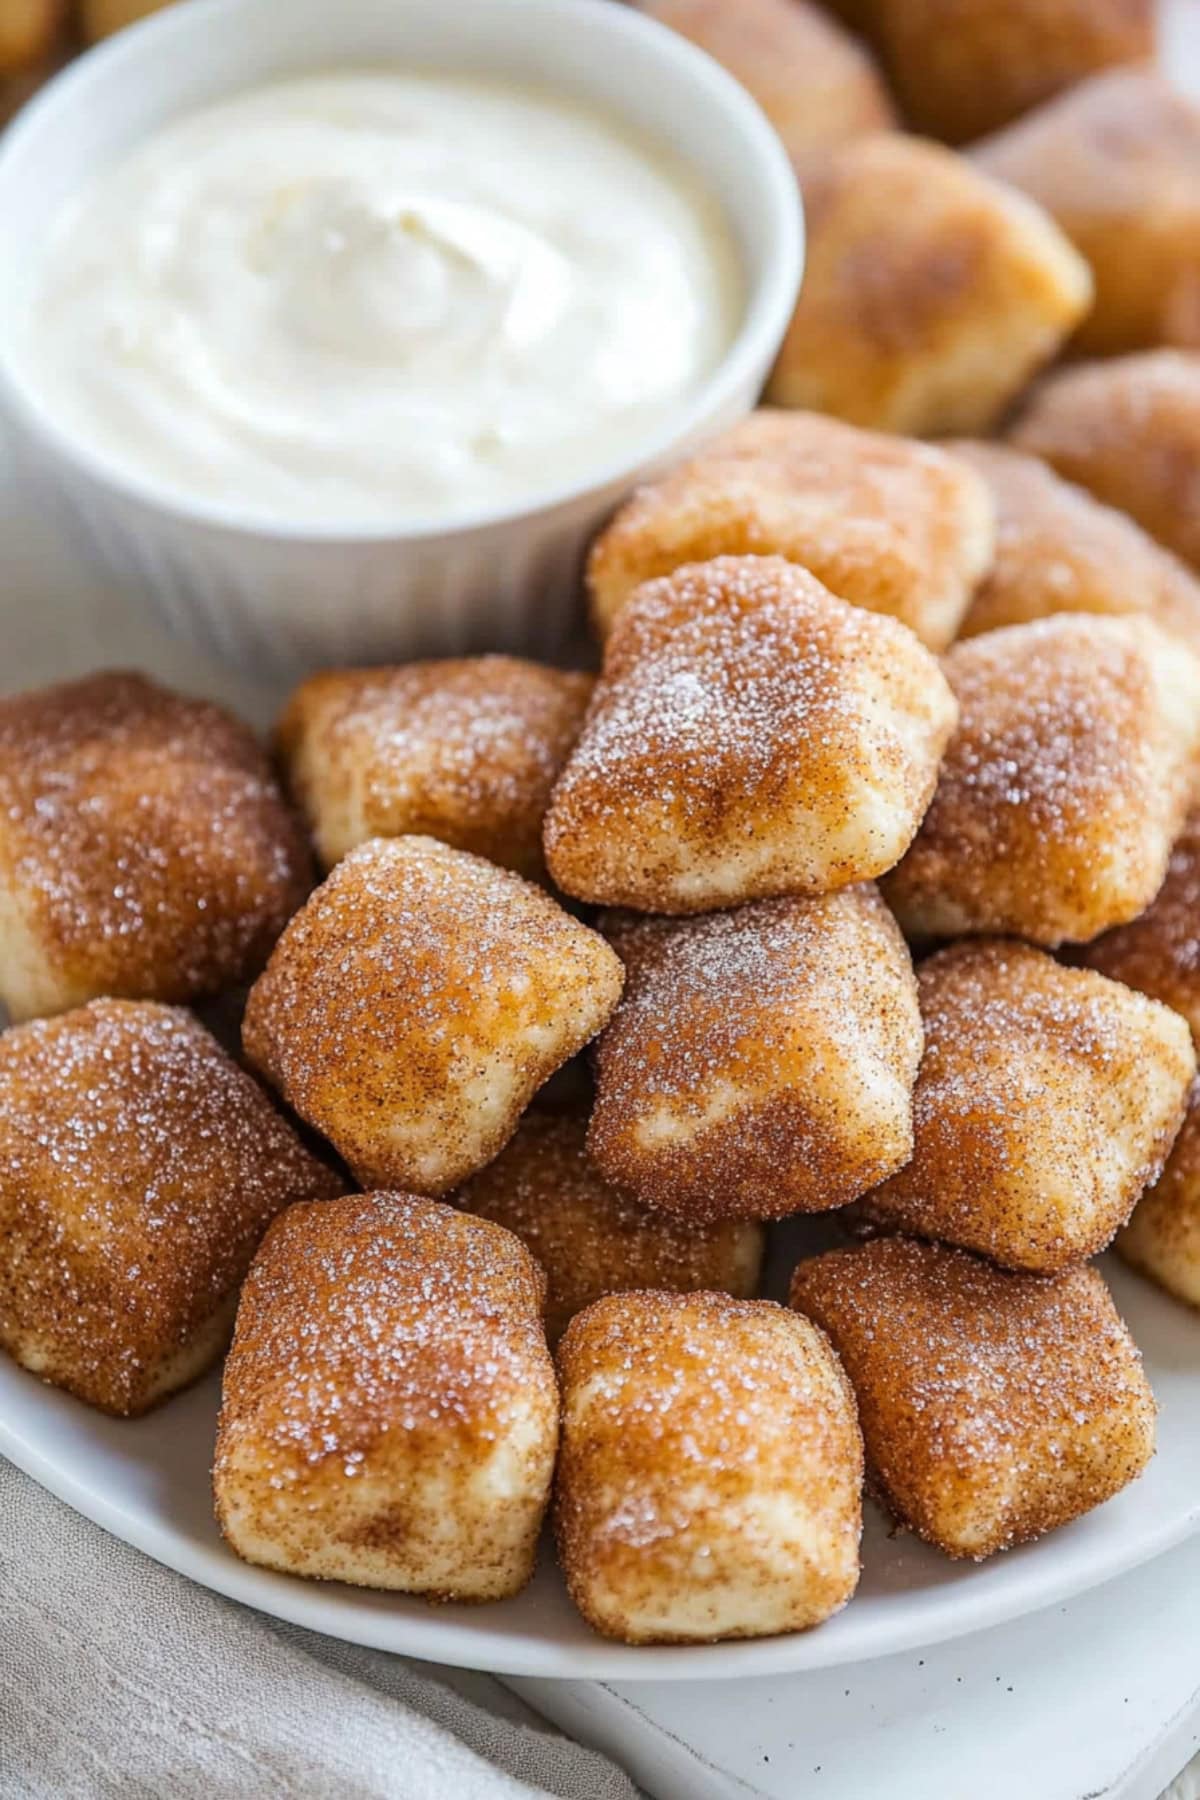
306,1603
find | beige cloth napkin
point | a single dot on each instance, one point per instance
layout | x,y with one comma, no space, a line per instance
120,1680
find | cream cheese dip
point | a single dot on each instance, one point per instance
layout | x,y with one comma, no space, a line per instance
382,298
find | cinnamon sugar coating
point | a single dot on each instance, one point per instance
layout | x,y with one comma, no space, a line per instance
1047,1101
963,67
710,1479
762,1061
1158,953
750,735
413,1008
1116,161
895,526
465,751
1059,550
816,83
390,1413
1129,431
591,1239
995,1407
1162,1239
139,1167
931,293
145,851
1064,787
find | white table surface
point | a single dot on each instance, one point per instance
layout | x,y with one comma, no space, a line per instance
1097,1698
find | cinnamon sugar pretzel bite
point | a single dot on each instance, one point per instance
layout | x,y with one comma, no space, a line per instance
100,18
593,1240
466,751
1059,550
894,526
1162,1239
995,1407
1064,787
762,1061
145,851
1117,162
390,1414
963,67
710,1480
139,1167
750,735
411,1011
931,292
1046,1103
1129,431
816,83
1158,953
30,31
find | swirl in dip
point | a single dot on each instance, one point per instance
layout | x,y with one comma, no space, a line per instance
382,298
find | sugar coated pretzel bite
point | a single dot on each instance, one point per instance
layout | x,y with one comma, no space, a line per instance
1162,1239
100,18
145,851
762,1061
139,1167
1046,1103
816,83
465,751
994,1407
591,1239
895,526
1129,431
1064,787
931,292
1059,550
413,1008
750,735
710,1480
390,1414
1116,161
30,31
963,67
1158,953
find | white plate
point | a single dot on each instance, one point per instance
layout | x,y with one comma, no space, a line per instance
148,1482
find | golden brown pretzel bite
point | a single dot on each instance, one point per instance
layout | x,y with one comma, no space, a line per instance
1046,1102
1116,161
761,1061
1159,952
750,735
145,850
591,1239
894,526
1064,787
390,1414
466,751
710,1479
139,1168
1059,550
963,67
1163,1237
30,33
994,1407
931,293
411,1011
1129,431
816,83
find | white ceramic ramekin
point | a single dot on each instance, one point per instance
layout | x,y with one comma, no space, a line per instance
295,596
